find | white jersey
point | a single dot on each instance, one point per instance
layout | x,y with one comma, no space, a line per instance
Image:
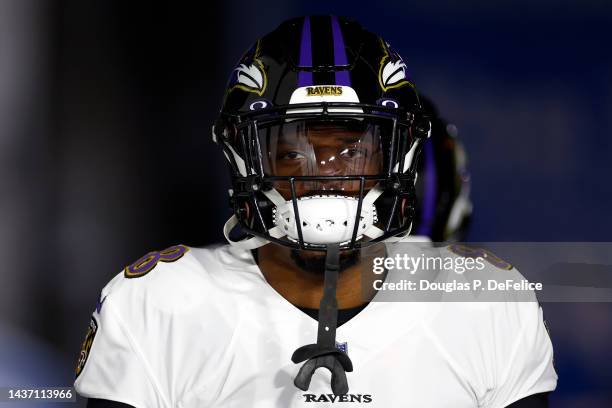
207,330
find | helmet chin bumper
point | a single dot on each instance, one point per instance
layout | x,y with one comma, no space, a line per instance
324,219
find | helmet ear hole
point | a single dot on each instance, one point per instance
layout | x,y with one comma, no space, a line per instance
224,131
230,132
422,128
243,209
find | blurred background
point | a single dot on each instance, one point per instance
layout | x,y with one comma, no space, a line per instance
105,150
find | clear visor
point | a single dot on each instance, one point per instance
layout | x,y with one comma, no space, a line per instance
324,148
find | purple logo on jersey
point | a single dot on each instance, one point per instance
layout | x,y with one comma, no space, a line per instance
100,303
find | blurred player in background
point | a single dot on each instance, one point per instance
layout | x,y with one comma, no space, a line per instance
443,184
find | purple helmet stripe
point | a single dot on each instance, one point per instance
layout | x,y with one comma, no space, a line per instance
305,77
342,77
429,193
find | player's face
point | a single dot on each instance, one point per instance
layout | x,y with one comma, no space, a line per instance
322,149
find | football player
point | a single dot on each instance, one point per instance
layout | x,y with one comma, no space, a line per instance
321,126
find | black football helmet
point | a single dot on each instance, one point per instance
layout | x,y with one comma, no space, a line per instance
321,126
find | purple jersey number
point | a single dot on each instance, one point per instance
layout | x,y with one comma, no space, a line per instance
145,264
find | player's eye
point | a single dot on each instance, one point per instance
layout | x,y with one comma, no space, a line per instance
292,155
353,152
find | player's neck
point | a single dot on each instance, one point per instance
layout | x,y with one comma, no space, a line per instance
304,288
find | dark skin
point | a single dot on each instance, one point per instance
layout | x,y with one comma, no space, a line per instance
322,149
326,150
304,287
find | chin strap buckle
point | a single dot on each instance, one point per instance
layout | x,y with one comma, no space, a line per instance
324,353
